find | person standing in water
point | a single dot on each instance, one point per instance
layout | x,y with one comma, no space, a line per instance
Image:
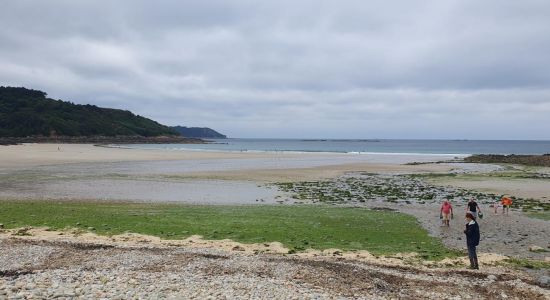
473,208
446,212
472,239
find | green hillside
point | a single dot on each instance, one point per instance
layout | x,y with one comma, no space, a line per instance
199,132
25,112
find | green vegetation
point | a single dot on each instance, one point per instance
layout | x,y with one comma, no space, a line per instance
25,112
199,132
527,263
540,215
364,187
297,227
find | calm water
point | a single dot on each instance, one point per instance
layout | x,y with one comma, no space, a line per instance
367,146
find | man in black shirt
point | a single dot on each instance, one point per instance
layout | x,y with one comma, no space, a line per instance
472,239
473,208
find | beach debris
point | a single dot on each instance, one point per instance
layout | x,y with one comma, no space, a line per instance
23,231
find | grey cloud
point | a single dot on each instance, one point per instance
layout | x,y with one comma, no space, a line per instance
293,68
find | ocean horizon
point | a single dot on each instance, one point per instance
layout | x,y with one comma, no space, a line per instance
362,146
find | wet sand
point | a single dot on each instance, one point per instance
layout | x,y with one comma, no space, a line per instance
88,172
524,188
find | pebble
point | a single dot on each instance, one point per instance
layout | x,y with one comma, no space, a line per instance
536,248
184,273
544,280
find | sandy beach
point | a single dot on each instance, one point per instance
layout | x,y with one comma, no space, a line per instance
105,174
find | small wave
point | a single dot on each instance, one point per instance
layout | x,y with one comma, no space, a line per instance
287,151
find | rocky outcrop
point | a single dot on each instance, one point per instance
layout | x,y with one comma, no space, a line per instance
529,160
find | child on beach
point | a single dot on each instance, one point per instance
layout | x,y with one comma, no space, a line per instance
496,205
446,212
506,203
472,239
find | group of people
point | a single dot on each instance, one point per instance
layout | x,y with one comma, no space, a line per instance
473,213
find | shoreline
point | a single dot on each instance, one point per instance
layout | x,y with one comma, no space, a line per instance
305,152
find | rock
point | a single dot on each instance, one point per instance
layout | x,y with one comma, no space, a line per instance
238,248
544,281
1,226
91,228
536,248
492,277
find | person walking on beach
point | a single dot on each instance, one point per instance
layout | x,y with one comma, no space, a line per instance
473,208
506,203
446,212
472,239
496,205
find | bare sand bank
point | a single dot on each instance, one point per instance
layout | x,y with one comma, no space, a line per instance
27,155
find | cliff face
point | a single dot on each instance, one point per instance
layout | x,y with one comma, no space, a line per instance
198,132
25,112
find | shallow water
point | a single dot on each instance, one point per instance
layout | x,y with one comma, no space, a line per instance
190,191
164,181
364,146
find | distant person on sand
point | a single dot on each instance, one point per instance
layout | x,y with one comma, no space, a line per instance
446,212
506,203
472,239
496,205
473,208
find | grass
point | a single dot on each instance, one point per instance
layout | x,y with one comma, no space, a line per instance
297,227
540,215
528,263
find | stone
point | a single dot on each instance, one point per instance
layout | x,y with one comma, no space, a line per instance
536,248
492,277
1,226
544,280
238,248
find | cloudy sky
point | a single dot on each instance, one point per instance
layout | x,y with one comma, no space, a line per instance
317,69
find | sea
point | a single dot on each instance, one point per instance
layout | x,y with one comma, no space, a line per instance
363,146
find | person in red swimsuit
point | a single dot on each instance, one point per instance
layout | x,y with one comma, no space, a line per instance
446,212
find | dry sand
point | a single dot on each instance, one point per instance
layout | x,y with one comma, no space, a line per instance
319,173
28,155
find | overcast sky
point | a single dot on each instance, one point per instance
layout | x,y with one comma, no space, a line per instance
298,69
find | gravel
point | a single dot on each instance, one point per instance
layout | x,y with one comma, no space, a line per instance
67,270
